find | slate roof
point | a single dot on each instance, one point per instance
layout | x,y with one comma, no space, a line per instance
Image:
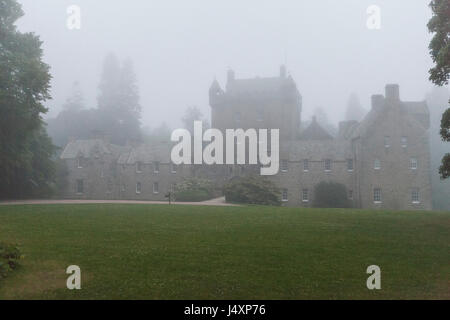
147,153
315,132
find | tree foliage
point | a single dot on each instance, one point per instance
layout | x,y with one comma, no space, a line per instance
26,168
439,24
330,195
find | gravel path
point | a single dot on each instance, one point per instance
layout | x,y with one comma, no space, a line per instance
212,202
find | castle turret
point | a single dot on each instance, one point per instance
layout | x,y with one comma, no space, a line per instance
214,92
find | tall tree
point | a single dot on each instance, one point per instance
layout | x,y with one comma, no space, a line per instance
193,114
25,149
439,24
118,102
72,120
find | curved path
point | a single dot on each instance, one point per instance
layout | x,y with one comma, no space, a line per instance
213,202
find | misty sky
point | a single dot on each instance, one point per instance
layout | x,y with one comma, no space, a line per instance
178,47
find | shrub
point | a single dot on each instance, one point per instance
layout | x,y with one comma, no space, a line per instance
330,195
9,258
252,190
193,190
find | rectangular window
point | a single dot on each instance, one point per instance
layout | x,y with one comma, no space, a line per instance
155,187
349,164
305,195
377,195
173,168
387,141
284,195
350,194
404,142
327,164
306,165
377,164
156,167
80,186
138,187
415,195
413,163
138,167
123,188
284,165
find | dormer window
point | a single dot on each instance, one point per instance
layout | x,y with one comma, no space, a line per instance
80,162
404,142
138,167
387,141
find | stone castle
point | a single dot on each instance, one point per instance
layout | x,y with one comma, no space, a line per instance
384,160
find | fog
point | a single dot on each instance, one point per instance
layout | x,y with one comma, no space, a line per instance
179,47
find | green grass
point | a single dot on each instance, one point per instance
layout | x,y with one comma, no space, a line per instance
198,252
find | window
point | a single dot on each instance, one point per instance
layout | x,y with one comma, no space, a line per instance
284,165
377,195
80,162
415,195
404,141
123,188
80,186
306,165
155,187
350,194
327,164
387,141
138,187
284,195
138,167
305,195
349,164
377,164
156,167
413,163
173,168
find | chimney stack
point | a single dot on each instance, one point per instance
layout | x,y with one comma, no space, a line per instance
393,92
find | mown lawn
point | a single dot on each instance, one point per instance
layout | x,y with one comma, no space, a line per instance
198,252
